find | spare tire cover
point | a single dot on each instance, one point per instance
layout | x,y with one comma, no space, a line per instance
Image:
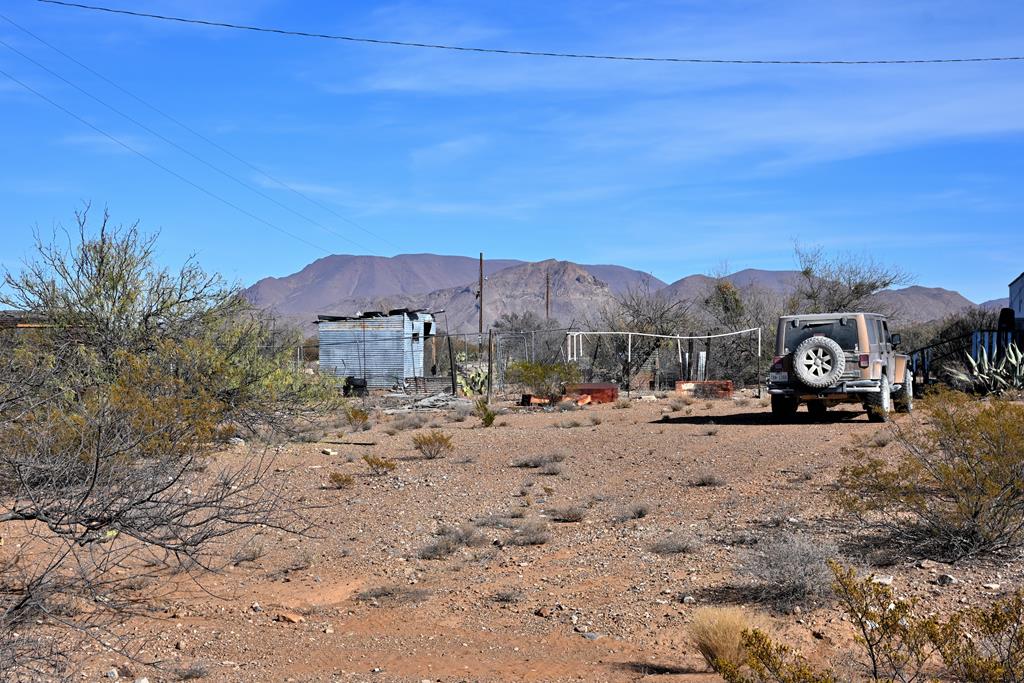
819,362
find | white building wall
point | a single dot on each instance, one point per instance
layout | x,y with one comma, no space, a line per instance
1017,296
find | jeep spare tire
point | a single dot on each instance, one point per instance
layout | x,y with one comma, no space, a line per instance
819,362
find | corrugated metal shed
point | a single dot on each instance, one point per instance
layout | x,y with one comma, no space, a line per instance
385,349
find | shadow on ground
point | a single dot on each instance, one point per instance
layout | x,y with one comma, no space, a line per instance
759,418
653,669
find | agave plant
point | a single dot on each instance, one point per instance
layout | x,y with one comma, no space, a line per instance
994,376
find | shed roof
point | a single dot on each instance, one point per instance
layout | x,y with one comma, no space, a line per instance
409,313
1017,279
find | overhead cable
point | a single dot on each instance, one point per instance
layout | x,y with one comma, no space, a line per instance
526,53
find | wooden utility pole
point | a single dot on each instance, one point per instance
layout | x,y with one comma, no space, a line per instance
547,295
480,294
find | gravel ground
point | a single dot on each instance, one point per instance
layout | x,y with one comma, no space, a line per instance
593,602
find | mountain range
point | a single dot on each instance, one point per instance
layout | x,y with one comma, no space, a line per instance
348,284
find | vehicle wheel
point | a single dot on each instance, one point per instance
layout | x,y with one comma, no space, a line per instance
878,405
817,409
783,408
903,400
819,362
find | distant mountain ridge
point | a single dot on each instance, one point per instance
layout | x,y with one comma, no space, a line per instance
347,284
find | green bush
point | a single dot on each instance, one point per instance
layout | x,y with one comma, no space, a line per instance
957,490
546,380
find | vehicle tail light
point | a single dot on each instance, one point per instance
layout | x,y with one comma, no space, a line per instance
863,360
777,364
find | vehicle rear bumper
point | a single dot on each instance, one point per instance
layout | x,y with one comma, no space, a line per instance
864,386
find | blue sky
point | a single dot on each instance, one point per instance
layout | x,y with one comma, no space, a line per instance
669,168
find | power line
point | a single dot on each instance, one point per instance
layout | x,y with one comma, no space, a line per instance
197,134
526,53
156,163
182,149
172,142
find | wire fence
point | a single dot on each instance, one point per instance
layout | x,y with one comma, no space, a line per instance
479,365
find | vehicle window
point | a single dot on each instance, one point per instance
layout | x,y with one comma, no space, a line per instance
844,332
885,331
872,332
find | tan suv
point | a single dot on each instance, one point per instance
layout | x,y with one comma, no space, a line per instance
825,359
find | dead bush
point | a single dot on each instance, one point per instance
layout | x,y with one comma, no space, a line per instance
250,552
340,480
530,533
460,413
432,444
675,544
880,439
708,479
448,540
552,469
717,633
957,490
393,594
192,672
680,402
789,569
569,424
406,423
622,403
574,513
379,466
535,461
509,596
635,511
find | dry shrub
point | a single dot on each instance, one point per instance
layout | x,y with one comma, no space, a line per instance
574,513
509,596
895,642
711,430
636,511
250,552
569,424
358,419
460,413
379,466
957,489
192,672
622,403
552,469
393,594
530,533
448,540
879,439
765,661
679,403
708,479
407,422
675,544
340,480
717,633
789,569
432,444
535,461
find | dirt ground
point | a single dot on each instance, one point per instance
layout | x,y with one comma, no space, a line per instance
354,602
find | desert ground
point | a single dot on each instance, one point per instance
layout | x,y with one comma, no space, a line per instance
597,600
